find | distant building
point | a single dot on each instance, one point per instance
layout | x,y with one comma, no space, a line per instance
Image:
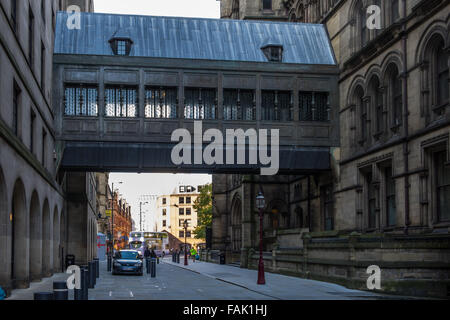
176,208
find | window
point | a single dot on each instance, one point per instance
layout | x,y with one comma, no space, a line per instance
188,234
188,200
200,103
15,111
277,105
181,200
44,149
181,234
371,200
14,14
297,191
396,96
273,53
164,223
442,172
164,212
181,223
314,106
267,4
395,12
32,128
188,211
181,211
363,25
363,110
327,205
81,100
42,66
390,198
239,104
442,74
121,46
30,37
161,103
164,200
121,102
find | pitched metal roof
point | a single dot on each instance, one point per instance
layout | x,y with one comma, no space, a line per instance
195,38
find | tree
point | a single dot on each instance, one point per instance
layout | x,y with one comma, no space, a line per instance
203,207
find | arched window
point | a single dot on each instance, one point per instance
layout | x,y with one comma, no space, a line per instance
395,10
395,95
362,23
435,75
376,97
441,65
358,98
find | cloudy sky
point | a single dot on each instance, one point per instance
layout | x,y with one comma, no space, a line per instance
177,8
133,186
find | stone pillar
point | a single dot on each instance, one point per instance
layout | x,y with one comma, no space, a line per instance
248,206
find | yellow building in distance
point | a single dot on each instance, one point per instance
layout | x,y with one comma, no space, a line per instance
176,208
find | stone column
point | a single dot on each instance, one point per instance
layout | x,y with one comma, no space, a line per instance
248,206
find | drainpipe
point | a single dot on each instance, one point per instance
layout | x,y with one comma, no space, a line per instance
405,115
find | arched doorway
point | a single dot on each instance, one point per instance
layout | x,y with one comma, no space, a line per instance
3,231
35,238
55,240
19,237
46,240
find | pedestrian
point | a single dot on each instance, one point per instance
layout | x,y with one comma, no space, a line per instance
193,254
153,254
147,252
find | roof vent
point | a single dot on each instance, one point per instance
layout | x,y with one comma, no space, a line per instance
121,43
273,52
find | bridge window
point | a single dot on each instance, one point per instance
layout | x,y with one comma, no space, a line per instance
277,105
314,106
121,47
267,4
121,102
81,101
239,104
200,103
161,103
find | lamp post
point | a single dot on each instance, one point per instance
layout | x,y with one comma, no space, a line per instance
185,225
260,204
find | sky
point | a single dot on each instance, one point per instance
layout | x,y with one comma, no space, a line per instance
134,185
177,8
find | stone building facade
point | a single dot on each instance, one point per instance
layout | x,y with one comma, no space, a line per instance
121,219
386,201
173,210
33,217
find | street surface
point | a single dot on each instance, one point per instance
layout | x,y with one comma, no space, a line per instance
203,281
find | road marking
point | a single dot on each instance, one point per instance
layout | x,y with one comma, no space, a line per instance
131,294
110,293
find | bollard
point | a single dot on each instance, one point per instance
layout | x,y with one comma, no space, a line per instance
84,282
43,296
91,280
178,258
109,263
147,265
60,291
97,268
153,268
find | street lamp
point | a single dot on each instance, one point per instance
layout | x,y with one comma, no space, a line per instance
185,225
260,204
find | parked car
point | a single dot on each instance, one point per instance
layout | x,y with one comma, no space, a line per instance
128,262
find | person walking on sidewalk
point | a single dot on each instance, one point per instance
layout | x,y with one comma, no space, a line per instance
193,254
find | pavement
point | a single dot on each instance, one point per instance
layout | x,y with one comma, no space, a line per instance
203,281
